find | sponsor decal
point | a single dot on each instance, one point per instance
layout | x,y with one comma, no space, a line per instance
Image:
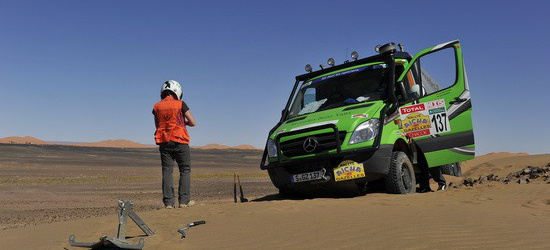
428,118
412,109
415,122
360,116
348,170
437,110
339,74
418,133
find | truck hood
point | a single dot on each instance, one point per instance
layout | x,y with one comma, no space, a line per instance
346,118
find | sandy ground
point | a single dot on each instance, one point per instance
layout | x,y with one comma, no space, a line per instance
487,216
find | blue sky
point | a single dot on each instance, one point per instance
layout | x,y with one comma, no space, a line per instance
91,70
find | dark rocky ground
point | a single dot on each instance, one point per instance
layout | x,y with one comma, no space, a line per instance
43,184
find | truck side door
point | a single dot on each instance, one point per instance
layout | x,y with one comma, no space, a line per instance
443,95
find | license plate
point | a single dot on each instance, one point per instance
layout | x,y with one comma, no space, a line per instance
311,176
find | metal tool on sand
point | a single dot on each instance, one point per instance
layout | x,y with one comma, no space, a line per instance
125,210
192,224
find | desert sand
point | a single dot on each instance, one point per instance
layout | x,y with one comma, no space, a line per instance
73,190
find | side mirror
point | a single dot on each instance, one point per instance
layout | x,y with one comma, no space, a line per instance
415,91
282,112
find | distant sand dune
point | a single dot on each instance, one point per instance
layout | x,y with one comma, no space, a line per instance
114,144
117,143
502,163
22,140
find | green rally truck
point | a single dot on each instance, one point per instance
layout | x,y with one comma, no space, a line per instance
382,118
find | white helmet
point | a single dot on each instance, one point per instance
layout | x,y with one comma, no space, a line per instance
174,87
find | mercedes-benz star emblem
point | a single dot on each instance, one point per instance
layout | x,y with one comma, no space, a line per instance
310,144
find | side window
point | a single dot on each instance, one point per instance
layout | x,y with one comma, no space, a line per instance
438,70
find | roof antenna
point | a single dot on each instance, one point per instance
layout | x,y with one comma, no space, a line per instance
401,47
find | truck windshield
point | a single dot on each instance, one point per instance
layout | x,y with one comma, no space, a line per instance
340,89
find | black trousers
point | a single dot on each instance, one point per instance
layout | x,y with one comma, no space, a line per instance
434,172
170,152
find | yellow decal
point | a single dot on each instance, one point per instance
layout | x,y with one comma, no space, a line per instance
416,121
348,170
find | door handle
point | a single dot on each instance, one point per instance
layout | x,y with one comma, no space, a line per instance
458,100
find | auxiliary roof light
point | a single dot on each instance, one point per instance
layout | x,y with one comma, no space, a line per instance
386,48
321,66
354,55
309,68
331,62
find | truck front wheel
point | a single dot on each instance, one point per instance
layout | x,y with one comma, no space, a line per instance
400,178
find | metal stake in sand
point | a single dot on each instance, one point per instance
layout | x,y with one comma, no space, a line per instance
241,190
235,188
125,210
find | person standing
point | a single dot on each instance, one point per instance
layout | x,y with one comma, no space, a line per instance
172,115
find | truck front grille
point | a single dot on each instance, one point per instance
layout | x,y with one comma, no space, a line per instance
326,142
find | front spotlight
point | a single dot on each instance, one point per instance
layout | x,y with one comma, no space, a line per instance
309,68
331,62
354,55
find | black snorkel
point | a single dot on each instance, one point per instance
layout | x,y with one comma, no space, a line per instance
389,50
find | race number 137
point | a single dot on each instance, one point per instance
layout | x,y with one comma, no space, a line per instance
440,122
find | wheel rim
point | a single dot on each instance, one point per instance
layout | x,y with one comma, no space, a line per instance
406,177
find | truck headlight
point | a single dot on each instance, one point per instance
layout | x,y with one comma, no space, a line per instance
271,148
366,131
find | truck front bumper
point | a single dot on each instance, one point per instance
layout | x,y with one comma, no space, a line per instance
376,162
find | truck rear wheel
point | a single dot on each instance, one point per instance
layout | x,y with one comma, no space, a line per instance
400,178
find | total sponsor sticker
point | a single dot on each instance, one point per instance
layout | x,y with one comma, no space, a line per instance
428,118
348,170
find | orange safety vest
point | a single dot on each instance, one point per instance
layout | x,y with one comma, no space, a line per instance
170,122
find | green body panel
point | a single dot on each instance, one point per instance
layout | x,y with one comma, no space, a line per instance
342,119
391,133
440,157
460,123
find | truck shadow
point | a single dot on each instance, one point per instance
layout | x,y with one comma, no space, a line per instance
349,193
278,197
